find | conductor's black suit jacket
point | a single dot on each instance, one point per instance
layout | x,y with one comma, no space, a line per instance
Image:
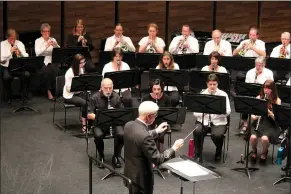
140,153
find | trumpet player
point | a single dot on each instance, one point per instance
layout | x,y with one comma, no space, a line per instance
223,47
184,43
119,41
214,59
267,130
151,43
282,50
11,48
216,124
252,47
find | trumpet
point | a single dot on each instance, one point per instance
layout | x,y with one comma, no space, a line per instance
282,52
15,54
151,49
259,118
245,48
181,45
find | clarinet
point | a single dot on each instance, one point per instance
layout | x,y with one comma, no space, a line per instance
259,119
118,65
156,98
212,67
256,77
209,118
109,107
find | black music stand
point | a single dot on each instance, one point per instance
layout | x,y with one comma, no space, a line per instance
282,117
284,92
65,55
204,103
171,116
237,63
147,60
106,118
249,105
279,64
201,60
85,83
30,64
129,58
247,89
185,61
123,79
194,173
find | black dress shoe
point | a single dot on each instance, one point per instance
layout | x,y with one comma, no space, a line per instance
100,165
217,156
115,162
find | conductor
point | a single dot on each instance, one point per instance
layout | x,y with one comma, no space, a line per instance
140,150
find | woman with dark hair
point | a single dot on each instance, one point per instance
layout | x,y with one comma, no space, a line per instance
267,129
75,98
116,64
214,59
163,100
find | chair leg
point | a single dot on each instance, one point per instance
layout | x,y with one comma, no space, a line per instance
54,112
273,153
224,151
65,119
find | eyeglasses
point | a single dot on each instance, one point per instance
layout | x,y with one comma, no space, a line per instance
46,31
155,115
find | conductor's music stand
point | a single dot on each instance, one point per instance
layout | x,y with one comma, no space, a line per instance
85,83
185,61
186,170
249,105
204,103
30,64
282,117
105,118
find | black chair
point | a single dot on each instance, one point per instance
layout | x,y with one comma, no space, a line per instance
60,82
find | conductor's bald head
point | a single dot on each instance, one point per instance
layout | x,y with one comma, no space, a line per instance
147,111
107,86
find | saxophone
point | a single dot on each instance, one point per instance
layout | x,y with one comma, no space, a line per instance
259,118
282,54
245,48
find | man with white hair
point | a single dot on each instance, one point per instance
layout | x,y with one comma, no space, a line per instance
140,150
284,48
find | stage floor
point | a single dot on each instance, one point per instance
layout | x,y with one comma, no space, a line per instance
38,158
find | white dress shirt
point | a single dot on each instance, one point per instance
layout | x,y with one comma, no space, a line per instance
171,88
42,50
288,83
220,69
224,47
191,41
265,75
109,68
214,118
159,42
6,54
259,44
276,51
68,82
110,42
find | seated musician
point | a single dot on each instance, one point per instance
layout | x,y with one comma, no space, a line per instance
214,59
44,47
223,47
257,75
252,47
163,100
213,122
288,83
117,64
282,50
104,99
151,43
167,62
118,40
184,43
12,48
75,98
265,125
81,38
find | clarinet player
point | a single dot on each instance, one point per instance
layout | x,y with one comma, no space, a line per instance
265,127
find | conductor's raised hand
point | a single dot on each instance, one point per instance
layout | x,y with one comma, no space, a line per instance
162,127
178,144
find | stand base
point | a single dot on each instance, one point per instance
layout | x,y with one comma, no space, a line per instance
159,172
111,174
24,108
283,180
246,170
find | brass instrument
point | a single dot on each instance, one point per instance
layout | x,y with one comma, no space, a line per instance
124,46
151,49
282,52
181,45
245,48
259,118
15,54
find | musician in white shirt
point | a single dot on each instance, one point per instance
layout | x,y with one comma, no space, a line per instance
288,83
252,47
214,59
151,43
44,47
119,41
116,64
282,50
217,123
184,43
223,47
11,48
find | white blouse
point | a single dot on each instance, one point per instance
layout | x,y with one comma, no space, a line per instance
68,82
159,42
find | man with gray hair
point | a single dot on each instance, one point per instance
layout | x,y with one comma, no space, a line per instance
140,150
282,50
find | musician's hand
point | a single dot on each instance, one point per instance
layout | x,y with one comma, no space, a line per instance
221,53
154,165
17,52
150,41
162,127
178,144
91,116
80,38
270,113
13,49
186,45
254,117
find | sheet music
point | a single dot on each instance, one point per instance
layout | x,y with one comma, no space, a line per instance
188,168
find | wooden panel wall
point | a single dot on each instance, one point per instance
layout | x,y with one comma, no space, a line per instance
1,22
98,17
236,16
275,19
29,15
135,16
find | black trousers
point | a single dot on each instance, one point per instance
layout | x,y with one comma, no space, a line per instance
174,96
241,76
118,139
217,133
78,100
48,74
126,98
